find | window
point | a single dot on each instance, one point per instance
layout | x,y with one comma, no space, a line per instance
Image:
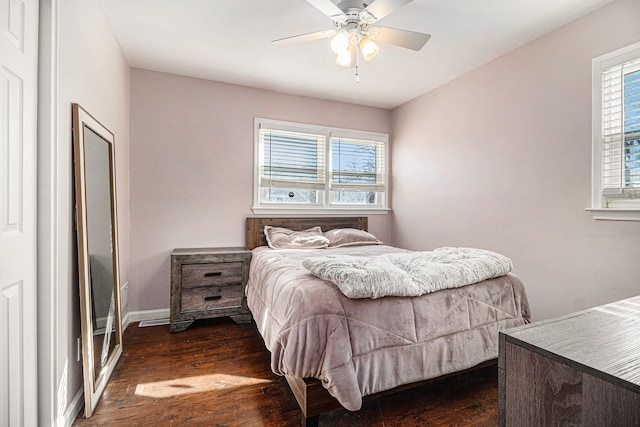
314,169
616,135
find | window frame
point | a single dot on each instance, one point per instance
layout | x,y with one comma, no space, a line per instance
624,209
324,205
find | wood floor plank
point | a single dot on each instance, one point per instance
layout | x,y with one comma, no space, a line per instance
217,373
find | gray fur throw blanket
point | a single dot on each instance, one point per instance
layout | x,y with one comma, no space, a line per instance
408,274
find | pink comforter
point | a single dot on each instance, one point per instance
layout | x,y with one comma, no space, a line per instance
358,347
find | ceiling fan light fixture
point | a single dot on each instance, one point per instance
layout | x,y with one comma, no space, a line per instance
368,48
340,42
354,32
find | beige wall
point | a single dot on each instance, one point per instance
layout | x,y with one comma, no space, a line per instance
192,166
501,159
92,72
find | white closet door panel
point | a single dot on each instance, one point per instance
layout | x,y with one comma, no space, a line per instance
18,334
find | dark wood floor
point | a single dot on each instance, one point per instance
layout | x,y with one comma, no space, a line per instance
217,374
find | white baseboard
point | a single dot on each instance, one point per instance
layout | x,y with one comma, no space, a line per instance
137,316
73,410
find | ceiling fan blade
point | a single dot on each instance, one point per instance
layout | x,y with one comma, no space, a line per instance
403,38
381,8
304,37
330,9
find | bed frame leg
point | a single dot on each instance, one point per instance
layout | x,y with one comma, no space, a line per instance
310,421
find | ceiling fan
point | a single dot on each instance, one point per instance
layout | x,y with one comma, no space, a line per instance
354,27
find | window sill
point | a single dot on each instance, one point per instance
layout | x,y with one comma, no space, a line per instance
277,210
615,214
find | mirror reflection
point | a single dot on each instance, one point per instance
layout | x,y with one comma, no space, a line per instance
100,246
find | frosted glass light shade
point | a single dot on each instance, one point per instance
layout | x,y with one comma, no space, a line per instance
368,48
340,42
344,58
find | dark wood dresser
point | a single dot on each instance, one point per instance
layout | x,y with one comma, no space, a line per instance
582,369
206,283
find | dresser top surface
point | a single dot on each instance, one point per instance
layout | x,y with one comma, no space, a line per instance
605,338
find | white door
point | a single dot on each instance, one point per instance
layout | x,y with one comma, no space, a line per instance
18,84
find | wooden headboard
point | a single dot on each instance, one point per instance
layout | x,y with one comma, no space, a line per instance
255,226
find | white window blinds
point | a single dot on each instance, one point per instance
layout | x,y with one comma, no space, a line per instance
620,139
291,159
357,165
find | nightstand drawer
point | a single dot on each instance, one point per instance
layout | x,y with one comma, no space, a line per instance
211,297
196,275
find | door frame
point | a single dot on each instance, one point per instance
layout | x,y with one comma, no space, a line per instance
52,409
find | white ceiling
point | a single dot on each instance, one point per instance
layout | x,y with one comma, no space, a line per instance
230,41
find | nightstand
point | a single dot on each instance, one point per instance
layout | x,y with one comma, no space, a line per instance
208,282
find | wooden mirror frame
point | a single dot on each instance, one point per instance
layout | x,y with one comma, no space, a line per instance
96,373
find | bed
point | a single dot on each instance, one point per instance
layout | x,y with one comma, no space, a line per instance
334,350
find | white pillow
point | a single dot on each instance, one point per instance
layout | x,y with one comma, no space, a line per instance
341,237
284,238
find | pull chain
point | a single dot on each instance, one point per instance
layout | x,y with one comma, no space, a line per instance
357,66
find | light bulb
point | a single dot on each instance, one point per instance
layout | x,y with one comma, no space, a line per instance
340,42
369,48
344,58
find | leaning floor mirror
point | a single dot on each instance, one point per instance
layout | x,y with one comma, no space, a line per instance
97,234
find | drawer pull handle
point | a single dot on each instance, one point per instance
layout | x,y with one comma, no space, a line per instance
213,274
212,297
